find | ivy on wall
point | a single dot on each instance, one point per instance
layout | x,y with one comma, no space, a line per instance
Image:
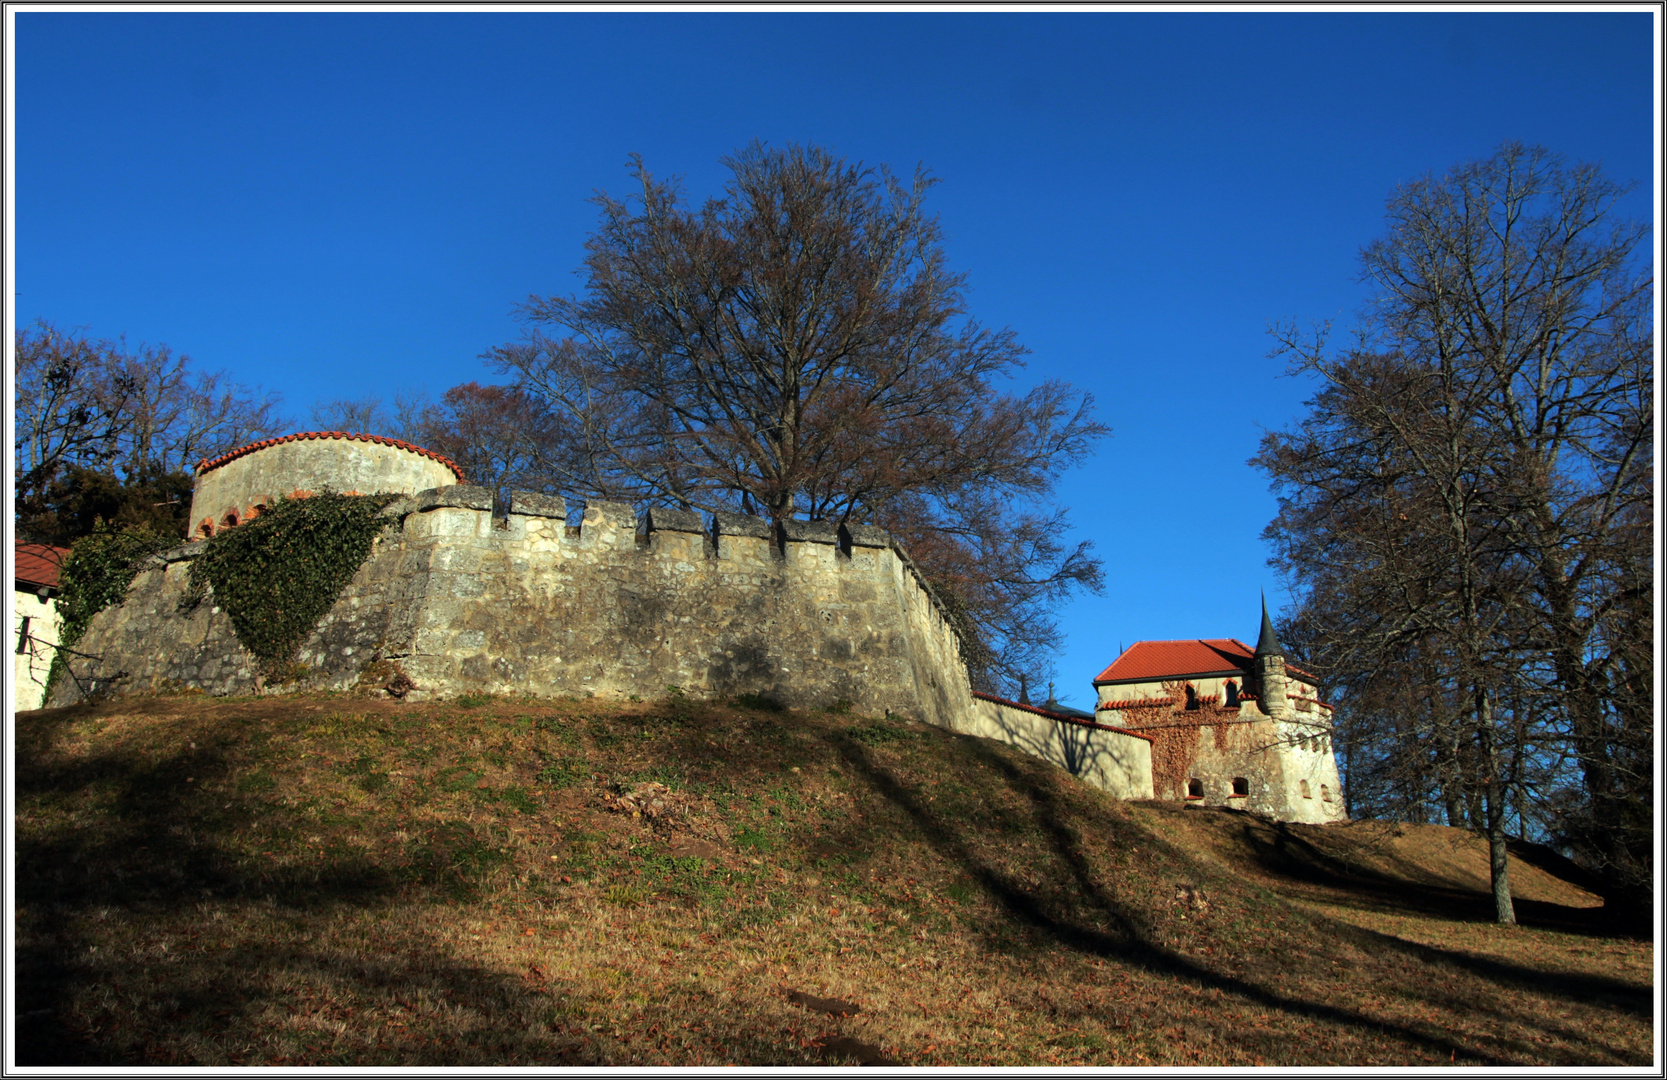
277,575
96,574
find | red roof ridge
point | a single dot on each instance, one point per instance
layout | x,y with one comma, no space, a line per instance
208,464
1061,717
1151,661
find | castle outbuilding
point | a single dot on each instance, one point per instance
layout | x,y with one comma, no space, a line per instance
35,619
1231,726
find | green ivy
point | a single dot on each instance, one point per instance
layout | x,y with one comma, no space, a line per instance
95,575
277,576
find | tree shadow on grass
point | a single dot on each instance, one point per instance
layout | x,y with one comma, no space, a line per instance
158,851
1127,941
1292,854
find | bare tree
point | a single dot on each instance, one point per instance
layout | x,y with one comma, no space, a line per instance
799,347
67,407
1474,480
351,414
501,435
138,417
1390,526
173,417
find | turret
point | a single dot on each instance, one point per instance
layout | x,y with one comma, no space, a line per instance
1270,670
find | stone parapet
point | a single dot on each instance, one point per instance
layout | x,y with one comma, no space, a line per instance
667,519
459,601
809,532
461,496
535,504
727,524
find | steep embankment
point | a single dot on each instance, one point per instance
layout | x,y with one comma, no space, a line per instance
338,881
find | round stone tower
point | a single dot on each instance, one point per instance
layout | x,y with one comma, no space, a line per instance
236,486
1270,670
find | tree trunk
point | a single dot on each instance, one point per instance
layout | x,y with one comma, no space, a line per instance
1499,869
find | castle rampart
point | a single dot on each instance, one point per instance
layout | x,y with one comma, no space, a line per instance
460,600
1108,757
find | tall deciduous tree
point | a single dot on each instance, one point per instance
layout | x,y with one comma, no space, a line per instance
1474,484
501,435
95,416
799,347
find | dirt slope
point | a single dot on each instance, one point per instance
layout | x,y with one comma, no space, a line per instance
339,881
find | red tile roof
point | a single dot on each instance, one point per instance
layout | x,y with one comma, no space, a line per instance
1061,717
1148,661
205,465
38,565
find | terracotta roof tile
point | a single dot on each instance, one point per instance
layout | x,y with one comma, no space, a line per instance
206,464
38,565
1146,661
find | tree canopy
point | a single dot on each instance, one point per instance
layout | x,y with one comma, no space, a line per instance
110,432
798,346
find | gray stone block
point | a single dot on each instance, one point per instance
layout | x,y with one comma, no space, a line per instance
533,504
619,515
462,496
181,553
810,532
871,536
666,519
741,525
399,508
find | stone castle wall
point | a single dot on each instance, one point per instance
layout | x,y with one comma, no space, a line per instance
1118,762
462,601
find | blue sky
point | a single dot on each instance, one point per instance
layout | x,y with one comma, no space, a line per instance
335,204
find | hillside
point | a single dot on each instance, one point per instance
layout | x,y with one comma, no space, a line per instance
337,881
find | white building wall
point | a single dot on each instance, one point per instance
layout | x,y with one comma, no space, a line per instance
34,633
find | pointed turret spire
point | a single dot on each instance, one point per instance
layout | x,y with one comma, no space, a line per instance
1267,644
1024,690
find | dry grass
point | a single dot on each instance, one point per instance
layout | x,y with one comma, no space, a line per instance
337,881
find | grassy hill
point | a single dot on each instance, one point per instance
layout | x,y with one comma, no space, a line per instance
328,880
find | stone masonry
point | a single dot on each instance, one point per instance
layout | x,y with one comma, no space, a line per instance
459,600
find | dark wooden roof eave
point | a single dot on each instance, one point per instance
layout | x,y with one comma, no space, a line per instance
1296,673
1231,672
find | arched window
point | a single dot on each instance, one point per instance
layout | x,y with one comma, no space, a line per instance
230,520
1305,792
1241,787
1192,697
1195,788
1325,795
1232,692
